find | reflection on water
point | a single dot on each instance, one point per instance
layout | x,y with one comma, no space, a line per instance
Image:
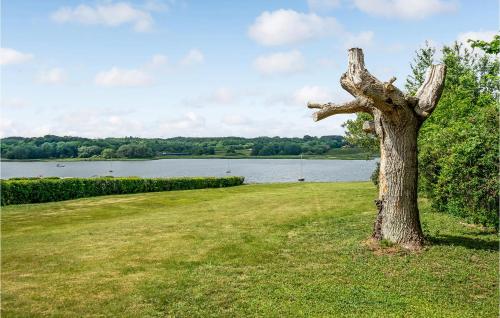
254,170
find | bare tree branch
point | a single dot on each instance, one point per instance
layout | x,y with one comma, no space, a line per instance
430,91
326,110
370,93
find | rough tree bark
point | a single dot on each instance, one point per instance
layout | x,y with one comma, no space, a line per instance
397,120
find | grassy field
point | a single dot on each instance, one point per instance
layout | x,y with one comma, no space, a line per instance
279,250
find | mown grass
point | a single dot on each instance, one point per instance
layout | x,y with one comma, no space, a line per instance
279,250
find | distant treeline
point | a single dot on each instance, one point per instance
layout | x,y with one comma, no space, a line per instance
50,146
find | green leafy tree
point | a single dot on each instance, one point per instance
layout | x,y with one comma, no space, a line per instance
134,151
89,151
356,136
492,47
48,149
108,153
423,59
66,149
459,143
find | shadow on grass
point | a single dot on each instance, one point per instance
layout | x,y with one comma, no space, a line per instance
468,242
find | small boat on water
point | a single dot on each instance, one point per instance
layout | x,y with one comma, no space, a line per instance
301,178
228,169
59,165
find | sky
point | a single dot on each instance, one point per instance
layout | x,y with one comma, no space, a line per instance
166,68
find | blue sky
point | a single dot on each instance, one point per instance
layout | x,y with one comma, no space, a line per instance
207,68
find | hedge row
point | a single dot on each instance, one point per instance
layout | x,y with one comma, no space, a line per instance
29,190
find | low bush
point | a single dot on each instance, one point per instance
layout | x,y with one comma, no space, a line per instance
30,190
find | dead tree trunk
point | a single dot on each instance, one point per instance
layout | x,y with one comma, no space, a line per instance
397,120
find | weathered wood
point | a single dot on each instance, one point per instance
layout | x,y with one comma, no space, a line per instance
369,126
397,120
326,110
430,91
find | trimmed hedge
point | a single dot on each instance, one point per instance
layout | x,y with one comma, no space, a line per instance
29,190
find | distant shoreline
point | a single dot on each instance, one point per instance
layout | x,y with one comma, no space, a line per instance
310,157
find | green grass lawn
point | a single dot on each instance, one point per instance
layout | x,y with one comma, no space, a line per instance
279,250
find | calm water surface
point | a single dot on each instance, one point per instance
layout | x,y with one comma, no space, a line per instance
254,170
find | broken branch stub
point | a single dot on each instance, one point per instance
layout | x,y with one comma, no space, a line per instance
430,91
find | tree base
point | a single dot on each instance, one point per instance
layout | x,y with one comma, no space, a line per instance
385,247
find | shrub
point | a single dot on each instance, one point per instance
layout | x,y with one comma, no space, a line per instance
31,190
458,158
375,174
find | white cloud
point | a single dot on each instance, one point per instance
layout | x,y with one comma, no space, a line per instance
109,14
235,120
405,9
193,57
53,76
11,56
123,77
190,121
97,123
141,76
280,63
312,94
363,39
476,35
288,27
318,5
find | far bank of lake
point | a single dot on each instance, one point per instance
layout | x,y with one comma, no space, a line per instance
332,154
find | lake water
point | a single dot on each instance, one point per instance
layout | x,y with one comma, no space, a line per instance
254,170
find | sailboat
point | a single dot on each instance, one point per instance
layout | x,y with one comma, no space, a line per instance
301,170
110,167
228,169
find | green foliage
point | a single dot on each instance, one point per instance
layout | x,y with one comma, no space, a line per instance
108,153
458,144
356,136
423,59
134,151
35,190
88,151
375,174
492,47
